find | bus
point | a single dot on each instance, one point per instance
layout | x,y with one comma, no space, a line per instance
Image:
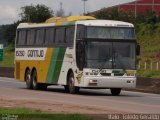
77,52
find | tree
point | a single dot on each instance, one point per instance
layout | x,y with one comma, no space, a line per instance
10,32
36,14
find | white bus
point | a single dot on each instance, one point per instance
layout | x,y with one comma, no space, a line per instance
77,52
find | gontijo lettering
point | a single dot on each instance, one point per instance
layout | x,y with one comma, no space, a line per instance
35,53
30,53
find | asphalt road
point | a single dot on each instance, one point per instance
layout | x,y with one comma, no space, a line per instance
127,102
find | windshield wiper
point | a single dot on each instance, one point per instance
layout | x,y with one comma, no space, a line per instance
117,59
102,67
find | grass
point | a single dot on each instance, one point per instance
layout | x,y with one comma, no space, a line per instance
27,114
149,38
148,73
8,59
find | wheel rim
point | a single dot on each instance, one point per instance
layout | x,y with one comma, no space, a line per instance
71,84
34,79
28,78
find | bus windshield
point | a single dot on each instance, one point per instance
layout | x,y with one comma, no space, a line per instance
110,55
110,32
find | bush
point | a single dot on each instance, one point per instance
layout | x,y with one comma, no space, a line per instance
11,47
148,73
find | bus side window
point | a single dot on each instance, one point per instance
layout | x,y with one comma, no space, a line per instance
70,35
18,37
60,34
49,37
30,37
40,37
21,37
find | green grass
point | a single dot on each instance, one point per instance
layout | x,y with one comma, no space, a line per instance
27,114
148,36
8,59
148,73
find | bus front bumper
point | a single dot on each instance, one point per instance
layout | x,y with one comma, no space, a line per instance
109,82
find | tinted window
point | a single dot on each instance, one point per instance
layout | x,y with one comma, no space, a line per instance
70,35
60,33
30,37
40,37
21,38
49,37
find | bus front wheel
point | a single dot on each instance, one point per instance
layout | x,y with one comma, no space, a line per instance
28,79
115,91
70,84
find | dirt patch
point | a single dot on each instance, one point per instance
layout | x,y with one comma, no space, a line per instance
52,107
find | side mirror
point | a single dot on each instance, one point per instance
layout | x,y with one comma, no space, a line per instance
138,49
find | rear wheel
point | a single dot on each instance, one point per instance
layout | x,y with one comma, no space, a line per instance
28,79
66,88
70,84
36,85
115,91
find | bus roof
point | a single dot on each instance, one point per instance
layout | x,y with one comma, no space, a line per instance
83,20
34,25
61,20
55,21
109,23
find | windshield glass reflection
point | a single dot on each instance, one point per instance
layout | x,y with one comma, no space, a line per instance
110,55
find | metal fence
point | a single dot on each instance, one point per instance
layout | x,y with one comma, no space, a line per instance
149,65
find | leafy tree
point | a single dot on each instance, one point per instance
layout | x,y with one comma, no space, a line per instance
158,17
148,17
127,16
36,14
10,32
151,17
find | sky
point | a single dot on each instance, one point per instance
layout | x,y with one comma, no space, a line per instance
10,9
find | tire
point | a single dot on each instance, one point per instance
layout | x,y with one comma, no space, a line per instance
115,91
28,80
36,85
70,85
66,88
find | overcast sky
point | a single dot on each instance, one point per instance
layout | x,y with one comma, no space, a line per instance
10,9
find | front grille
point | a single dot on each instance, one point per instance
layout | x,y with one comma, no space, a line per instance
119,74
105,74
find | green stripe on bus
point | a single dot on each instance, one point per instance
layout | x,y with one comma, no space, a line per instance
58,66
55,65
52,65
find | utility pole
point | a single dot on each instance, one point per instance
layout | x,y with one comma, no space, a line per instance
84,6
135,9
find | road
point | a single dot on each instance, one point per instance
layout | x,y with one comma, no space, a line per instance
98,101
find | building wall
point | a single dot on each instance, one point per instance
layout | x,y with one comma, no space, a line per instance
141,6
